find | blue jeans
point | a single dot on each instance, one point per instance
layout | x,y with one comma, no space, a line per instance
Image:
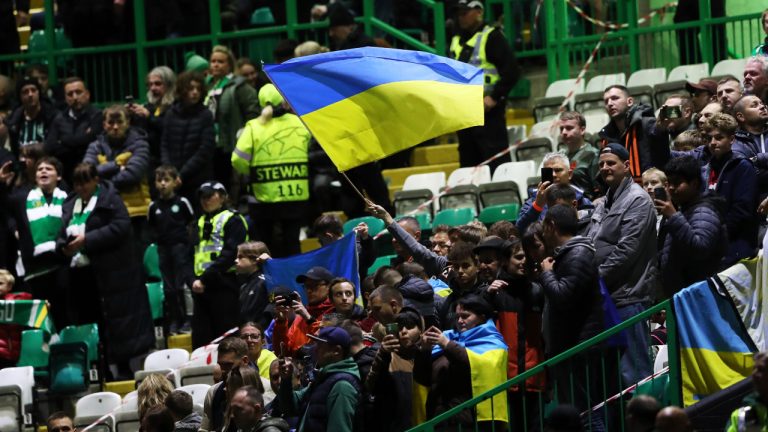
636,361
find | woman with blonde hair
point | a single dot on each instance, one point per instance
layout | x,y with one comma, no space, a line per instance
152,392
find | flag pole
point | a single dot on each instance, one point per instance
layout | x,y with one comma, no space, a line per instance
353,185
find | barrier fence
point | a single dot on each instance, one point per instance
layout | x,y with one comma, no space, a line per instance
587,376
562,32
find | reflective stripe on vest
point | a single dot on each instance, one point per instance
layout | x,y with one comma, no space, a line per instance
280,162
478,58
207,251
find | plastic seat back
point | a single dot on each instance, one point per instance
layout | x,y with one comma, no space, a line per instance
97,404
733,67
379,263
87,333
34,349
563,87
600,82
647,77
375,225
493,214
454,217
68,368
171,358
692,73
470,175
197,391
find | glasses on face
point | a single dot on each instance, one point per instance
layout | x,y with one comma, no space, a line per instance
251,336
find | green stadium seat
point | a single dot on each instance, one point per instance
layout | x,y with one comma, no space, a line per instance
152,264
375,225
379,263
493,214
87,333
425,221
454,217
34,351
156,298
461,196
69,368
407,201
500,192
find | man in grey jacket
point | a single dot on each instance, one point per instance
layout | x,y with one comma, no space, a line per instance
623,229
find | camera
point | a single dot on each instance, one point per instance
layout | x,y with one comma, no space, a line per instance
671,112
293,296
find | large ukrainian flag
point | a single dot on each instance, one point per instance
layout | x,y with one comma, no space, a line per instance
487,354
367,103
715,349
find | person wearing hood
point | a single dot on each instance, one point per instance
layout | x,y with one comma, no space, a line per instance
574,307
95,237
693,239
181,407
295,334
632,124
418,294
188,139
519,304
121,155
734,178
272,151
331,401
32,120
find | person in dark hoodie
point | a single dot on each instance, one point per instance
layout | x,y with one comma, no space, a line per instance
519,304
573,311
75,128
417,292
188,138
733,178
121,155
632,124
180,405
692,240
33,119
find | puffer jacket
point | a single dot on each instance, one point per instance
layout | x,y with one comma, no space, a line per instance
754,147
418,293
188,142
693,242
624,236
574,307
737,183
637,139
133,155
10,334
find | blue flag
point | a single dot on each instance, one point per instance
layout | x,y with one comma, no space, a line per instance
339,258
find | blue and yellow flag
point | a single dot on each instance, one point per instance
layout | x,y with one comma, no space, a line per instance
339,258
715,349
487,354
367,103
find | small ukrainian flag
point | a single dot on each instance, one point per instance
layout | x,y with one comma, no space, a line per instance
364,104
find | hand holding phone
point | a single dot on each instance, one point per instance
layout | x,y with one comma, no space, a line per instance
660,193
547,175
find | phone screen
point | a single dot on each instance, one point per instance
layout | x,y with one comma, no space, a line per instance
547,175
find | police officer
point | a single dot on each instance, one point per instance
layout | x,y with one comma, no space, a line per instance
215,289
273,151
484,46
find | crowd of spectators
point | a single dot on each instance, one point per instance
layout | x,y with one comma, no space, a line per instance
654,203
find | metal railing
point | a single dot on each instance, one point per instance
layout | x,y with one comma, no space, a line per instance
570,375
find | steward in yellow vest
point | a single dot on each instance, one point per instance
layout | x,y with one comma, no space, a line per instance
215,289
486,47
273,151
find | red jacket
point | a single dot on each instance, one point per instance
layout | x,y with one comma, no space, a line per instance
295,335
10,334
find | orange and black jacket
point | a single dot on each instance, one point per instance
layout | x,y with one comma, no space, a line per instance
519,308
638,138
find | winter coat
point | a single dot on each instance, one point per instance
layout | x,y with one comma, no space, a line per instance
451,384
271,424
418,294
737,183
133,155
70,136
10,334
624,237
754,147
188,142
253,300
294,335
340,400
190,423
694,241
519,306
238,103
15,123
109,246
574,308
26,246
637,139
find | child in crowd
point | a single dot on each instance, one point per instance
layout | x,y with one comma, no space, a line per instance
169,218
687,140
655,178
10,334
253,291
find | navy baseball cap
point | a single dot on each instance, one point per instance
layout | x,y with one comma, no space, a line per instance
315,273
616,149
333,336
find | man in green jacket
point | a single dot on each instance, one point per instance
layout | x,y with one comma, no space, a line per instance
753,414
330,401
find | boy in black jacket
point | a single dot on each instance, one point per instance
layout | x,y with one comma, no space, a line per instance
169,218
254,301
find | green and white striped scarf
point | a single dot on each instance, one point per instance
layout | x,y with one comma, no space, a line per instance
44,219
77,225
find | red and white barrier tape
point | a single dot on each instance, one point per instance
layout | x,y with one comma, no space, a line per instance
627,390
208,350
582,72
614,26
